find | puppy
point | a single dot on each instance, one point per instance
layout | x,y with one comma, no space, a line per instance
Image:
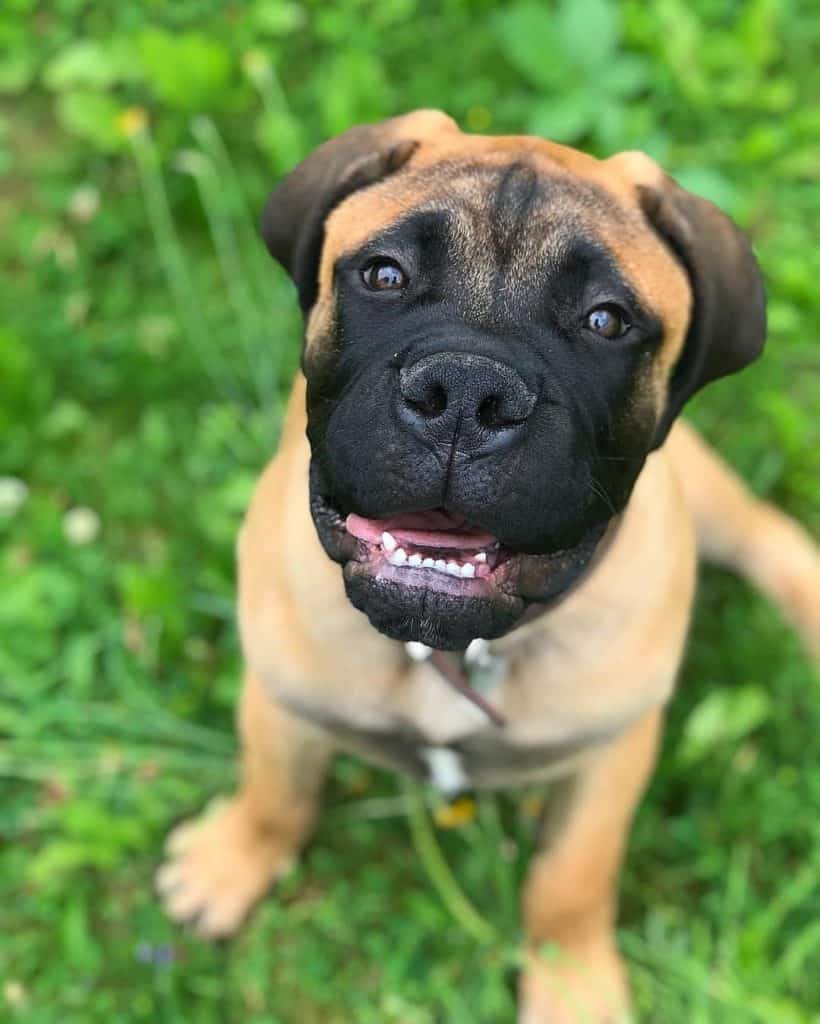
482,455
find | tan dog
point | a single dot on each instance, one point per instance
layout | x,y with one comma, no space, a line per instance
500,335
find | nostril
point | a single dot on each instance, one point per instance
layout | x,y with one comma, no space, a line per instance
494,413
432,402
450,393
489,412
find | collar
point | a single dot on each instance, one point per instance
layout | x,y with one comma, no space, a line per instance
469,672
477,670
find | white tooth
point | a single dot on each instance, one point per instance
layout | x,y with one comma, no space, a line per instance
440,564
415,561
399,557
478,652
429,563
468,570
417,651
480,557
388,542
453,569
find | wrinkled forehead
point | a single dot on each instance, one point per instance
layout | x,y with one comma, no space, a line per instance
514,213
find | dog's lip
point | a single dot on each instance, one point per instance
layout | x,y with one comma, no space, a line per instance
434,528
506,572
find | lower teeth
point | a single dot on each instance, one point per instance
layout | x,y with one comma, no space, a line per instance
464,570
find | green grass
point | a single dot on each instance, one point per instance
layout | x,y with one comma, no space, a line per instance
145,347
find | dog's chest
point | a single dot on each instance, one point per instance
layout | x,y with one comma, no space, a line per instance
433,733
483,759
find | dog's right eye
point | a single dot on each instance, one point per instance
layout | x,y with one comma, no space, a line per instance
384,275
608,321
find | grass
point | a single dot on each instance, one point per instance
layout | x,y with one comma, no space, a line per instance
146,343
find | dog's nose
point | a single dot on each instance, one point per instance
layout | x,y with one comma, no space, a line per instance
446,395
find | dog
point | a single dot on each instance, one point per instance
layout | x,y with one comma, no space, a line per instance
483,454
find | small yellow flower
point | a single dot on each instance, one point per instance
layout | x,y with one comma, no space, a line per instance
132,121
532,805
460,811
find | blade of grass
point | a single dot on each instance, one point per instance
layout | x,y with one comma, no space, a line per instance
250,331
172,260
261,267
438,870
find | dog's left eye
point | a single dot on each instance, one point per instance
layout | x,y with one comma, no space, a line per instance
608,321
384,275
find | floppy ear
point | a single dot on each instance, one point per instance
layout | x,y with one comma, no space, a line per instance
293,221
727,325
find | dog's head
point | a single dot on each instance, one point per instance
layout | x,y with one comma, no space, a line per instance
499,331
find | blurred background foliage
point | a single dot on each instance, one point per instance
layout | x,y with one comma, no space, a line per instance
146,343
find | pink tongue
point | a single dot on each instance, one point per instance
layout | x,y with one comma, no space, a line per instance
432,529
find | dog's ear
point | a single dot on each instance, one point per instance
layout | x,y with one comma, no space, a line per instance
727,324
293,220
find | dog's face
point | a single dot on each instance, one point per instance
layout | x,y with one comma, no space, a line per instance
499,331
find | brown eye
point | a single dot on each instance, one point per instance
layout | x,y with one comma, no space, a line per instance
608,321
384,276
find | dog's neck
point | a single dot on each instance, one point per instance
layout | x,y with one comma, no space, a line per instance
460,668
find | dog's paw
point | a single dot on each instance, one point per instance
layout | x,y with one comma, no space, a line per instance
558,988
217,867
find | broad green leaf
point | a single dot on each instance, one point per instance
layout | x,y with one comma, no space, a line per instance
273,17
354,88
188,72
92,116
17,69
627,75
709,183
91,64
564,118
589,30
528,37
608,121
725,716
279,136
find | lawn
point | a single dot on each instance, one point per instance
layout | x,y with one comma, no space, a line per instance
146,344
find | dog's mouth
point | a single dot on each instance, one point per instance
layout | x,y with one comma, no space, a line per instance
433,576
433,549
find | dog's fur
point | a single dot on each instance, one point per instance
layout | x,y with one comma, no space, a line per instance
600,497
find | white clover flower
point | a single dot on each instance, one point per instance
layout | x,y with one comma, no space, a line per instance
81,525
15,994
84,203
13,494
76,308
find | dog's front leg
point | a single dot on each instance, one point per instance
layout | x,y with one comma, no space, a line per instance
573,974
220,865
